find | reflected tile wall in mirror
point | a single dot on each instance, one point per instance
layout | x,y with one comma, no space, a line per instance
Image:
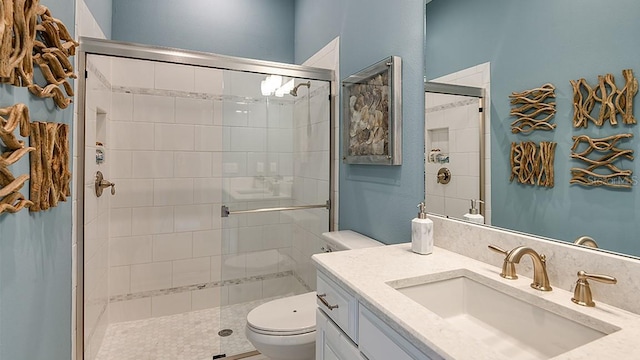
451,125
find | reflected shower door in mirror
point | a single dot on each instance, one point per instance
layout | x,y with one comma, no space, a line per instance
462,33
454,152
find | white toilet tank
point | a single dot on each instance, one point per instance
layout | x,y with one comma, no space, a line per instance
347,240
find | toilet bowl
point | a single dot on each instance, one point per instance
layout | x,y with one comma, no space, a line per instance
285,329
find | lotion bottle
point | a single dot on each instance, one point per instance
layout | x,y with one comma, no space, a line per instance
474,214
422,232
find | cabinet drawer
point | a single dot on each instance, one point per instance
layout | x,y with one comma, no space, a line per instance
338,304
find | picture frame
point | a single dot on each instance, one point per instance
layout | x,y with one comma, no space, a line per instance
372,114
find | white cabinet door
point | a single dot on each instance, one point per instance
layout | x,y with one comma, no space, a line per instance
378,341
331,342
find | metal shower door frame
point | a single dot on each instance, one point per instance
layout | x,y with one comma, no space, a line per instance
183,57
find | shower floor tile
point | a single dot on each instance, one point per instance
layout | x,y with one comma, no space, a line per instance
187,336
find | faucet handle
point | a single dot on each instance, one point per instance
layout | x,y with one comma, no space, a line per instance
498,250
508,268
582,292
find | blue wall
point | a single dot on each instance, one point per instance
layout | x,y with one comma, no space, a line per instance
35,250
256,29
379,201
102,12
530,43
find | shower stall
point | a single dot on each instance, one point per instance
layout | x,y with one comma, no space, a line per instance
206,188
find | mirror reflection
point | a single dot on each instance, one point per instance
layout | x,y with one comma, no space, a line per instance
454,144
525,45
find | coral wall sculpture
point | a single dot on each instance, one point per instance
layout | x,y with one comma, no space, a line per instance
613,102
532,164
533,110
11,200
17,34
52,48
50,175
612,176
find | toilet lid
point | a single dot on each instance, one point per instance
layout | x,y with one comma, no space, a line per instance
286,316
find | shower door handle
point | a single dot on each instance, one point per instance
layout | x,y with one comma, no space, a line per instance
225,212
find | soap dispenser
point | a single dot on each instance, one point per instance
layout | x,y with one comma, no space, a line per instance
422,232
474,214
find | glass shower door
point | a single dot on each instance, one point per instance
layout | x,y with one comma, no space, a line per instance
276,135
164,273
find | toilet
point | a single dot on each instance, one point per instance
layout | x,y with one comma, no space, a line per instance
285,329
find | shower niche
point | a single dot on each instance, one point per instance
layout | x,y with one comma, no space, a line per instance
437,145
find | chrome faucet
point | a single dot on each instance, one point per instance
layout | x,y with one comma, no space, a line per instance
540,277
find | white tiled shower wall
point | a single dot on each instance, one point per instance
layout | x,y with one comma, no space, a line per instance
329,58
96,209
180,139
311,177
313,142
177,138
476,76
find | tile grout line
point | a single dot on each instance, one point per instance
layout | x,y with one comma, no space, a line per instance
195,287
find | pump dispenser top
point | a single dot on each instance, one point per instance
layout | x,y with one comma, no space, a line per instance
474,214
474,206
422,213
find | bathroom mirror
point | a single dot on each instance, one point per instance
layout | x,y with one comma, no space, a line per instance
523,45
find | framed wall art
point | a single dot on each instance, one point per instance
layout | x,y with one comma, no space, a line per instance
372,114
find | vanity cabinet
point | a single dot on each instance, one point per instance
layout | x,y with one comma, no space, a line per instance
351,331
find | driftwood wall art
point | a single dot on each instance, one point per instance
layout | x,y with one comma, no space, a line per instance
50,175
533,109
30,35
613,101
614,176
17,34
53,46
532,164
11,200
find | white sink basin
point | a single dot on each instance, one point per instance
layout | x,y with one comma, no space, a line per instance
509,325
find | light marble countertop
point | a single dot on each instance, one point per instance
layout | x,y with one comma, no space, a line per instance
367,272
